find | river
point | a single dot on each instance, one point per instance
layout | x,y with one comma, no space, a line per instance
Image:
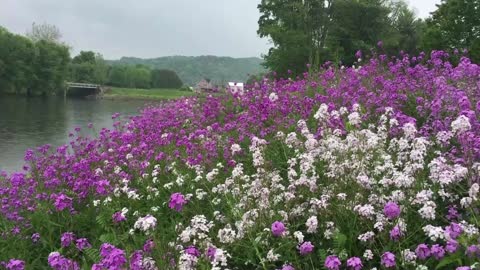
30,122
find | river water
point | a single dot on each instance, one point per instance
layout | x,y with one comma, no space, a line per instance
30,122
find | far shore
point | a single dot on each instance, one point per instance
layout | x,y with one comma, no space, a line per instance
115,93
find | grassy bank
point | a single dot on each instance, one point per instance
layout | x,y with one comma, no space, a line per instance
132,93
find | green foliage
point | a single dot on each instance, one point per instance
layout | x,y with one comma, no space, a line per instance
298,30
316,31
30,67
455,25
163,78
88,67
339,241
191,70
50,67
407,31
130,76
363,24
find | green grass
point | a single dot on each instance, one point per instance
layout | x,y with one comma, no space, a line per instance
132,93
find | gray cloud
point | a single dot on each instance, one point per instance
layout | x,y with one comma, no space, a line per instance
151,28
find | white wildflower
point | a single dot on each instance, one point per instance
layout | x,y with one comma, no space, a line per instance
368,255
312,224
146,223
461,124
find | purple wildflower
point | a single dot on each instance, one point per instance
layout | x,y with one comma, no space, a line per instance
148,246
354,263
452,212
62,202
358,54
177,201
211,253
15,264
287,267
395,233
136,260
473,251
118,217
278,228
82,243
35,237
388,260
192,250
67,238
454,230
112,257
306,248
391,210
332,263
422,251
437,251
57,262
451,246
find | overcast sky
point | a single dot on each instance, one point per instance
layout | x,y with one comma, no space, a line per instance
152,28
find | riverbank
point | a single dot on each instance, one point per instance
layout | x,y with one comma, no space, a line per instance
148,94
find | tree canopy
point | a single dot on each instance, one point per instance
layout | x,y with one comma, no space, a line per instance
89,67
315,31
31,66
45,32
455,25
40,65
164,78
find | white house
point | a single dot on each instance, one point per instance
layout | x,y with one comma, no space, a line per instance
235,87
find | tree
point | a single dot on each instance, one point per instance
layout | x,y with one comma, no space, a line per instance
455,25
316,31
16,56
298,30
117,76
89,67
130,76
164,78
139,76
358,25
100,73
85,57
405,32
50,67
44,31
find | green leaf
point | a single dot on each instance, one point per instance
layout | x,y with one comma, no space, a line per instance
448,260
108,238
92,254
339,240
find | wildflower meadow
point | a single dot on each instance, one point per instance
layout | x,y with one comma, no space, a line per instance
375,166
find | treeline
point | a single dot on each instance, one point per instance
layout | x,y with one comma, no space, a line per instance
193,69
32,66
40,64
91,67
316,31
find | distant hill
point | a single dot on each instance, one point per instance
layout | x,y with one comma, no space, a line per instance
192,69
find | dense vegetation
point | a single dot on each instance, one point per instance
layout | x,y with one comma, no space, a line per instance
193,69
140,76
316,31
354,168
37,67
39,64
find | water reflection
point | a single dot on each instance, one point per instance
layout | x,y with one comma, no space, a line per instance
31,122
